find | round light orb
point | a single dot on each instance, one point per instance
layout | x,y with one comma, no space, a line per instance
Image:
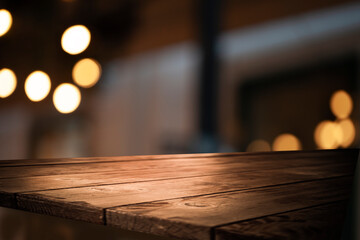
286,142
7,82
258,145
75,39
37,86
328,135
5,21
86,72
66,98
341,104
348,129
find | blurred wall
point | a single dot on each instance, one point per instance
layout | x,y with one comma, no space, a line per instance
147,103
146,100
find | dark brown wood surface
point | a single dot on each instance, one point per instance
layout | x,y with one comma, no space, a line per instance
321,222
190,196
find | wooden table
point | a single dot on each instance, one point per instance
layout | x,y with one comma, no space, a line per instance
279,195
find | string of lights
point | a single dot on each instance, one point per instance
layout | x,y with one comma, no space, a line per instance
67,96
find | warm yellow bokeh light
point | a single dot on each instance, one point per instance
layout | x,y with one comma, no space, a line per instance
348,131
66,98
75,39
258,146
328,135
7,82
5,21
37,86
86,72
286,142
341,104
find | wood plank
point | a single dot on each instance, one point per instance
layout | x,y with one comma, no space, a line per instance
25,171
122,194
31,162
76,210
198,215
322,222
40,183
260,160
345,153
83,190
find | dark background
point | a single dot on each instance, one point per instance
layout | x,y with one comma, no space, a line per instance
179,76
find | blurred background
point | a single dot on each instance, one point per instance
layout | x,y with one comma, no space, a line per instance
101,78
82,78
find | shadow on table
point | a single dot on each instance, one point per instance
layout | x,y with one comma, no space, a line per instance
21,225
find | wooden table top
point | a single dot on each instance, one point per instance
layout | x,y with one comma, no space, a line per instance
289,195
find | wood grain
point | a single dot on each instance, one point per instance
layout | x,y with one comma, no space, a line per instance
106,196
77,210
169,217
32,162
40,183
322,222
281,160
182,196
285,154
95,167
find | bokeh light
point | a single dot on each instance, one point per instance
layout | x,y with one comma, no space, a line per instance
7,82
37,86
348,131
5,21
328,135
86,72
258,145
75,39
66,98
341,104
286,142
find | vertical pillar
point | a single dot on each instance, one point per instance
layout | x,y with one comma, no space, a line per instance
209,75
